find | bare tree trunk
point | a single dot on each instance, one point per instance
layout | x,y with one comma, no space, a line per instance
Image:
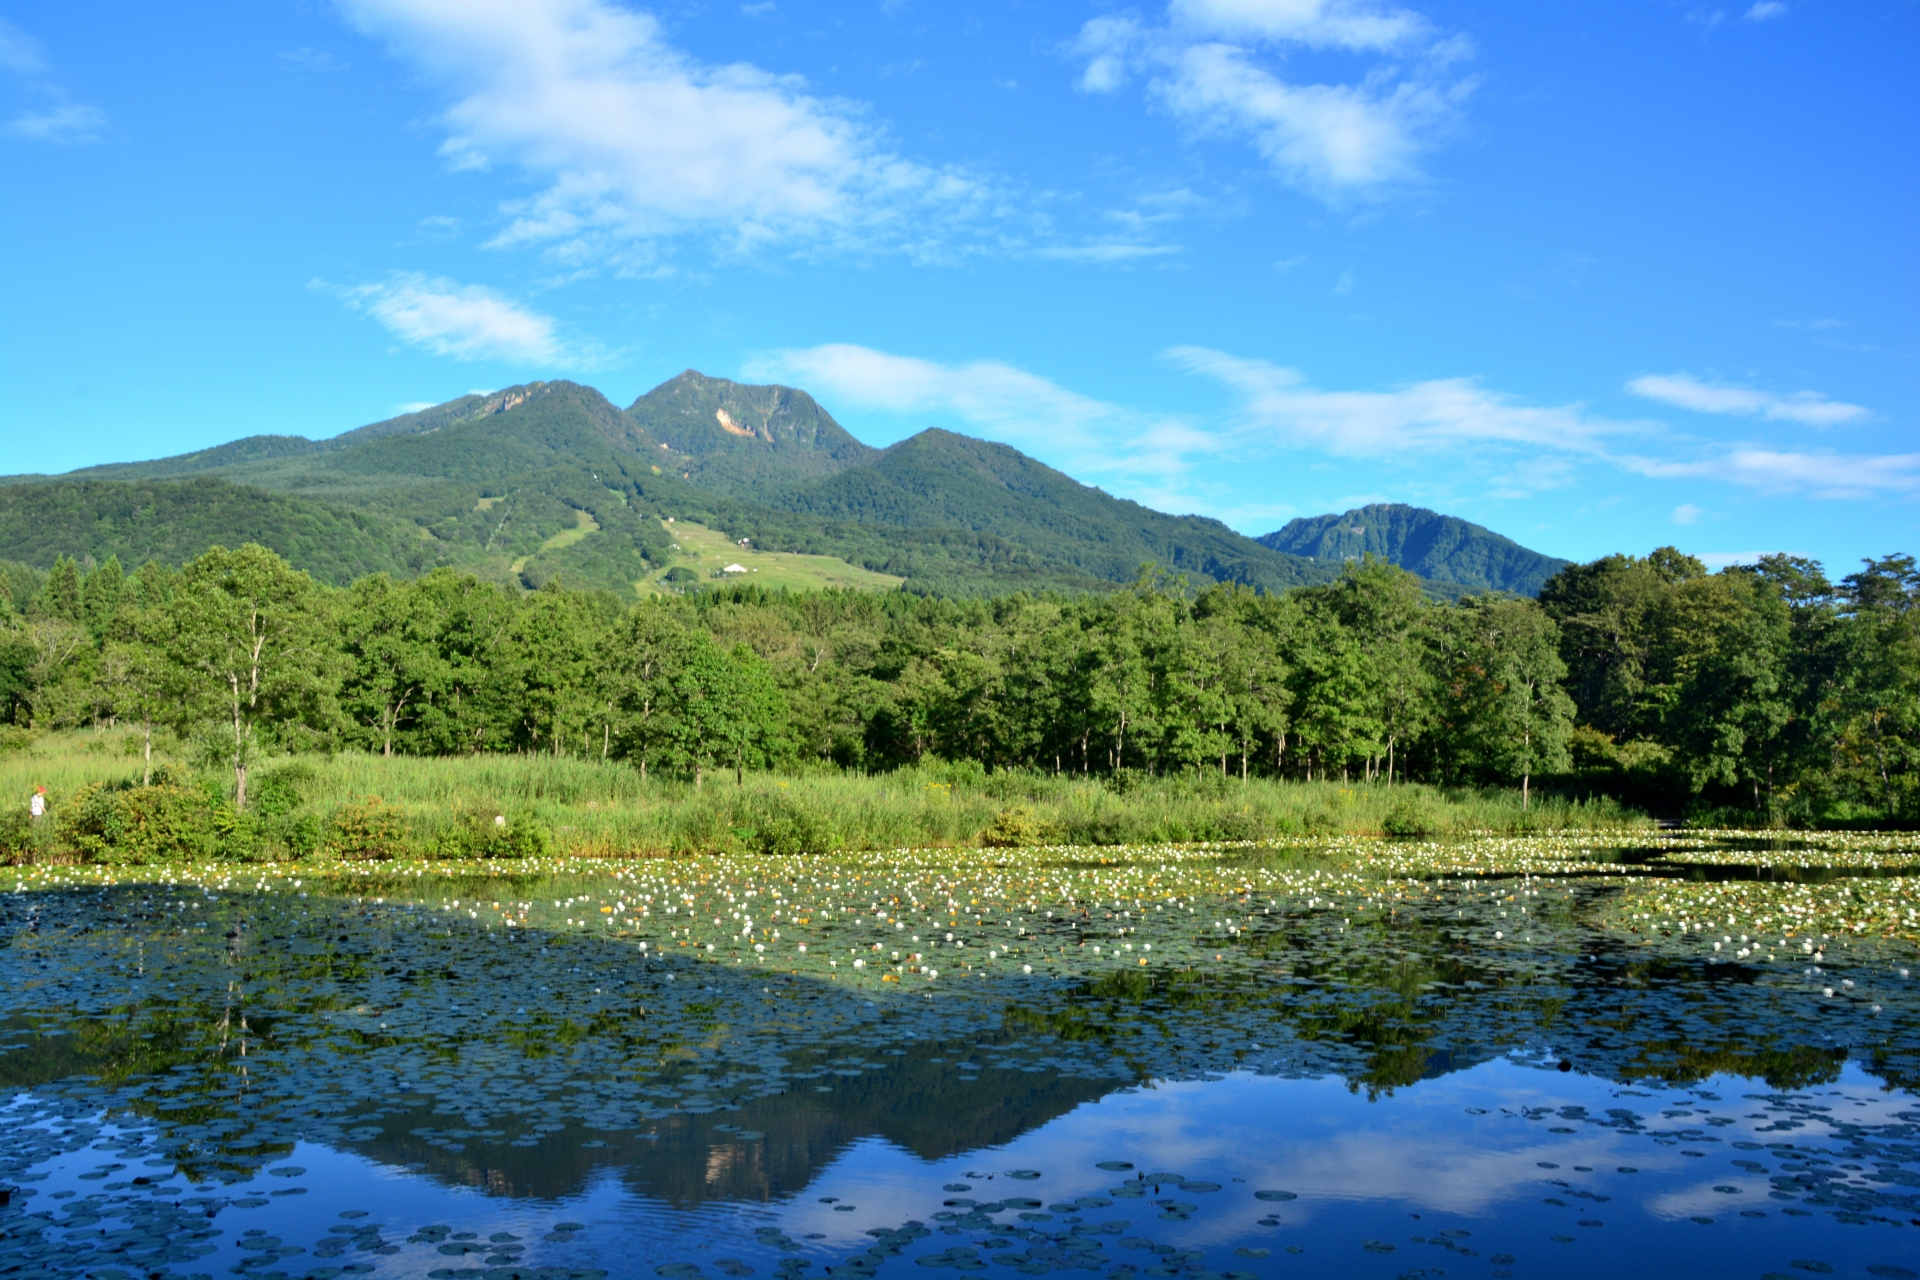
146,774
1389,761
240,786
698,770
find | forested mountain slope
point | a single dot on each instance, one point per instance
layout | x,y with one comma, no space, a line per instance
940,480
173,522
1439,547
552,481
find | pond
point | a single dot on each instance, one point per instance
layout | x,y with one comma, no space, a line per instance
1549,1057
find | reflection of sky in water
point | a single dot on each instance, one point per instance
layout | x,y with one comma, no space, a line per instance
425,1071
1398,1170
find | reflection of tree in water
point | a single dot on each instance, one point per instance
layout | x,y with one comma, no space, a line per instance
1402,992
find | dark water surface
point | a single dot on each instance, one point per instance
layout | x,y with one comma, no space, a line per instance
273,1084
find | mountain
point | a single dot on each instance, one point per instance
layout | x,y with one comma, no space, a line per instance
940,480
733,439
550,480
1437,547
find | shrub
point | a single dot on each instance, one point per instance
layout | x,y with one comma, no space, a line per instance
137,825
1014,827
1413,815
483,833
369,828
780,826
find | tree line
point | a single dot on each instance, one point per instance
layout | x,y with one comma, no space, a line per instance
1765,688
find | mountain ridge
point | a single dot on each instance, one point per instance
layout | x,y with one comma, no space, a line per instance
551,480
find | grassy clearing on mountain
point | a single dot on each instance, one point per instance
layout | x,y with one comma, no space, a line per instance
709,551
365,806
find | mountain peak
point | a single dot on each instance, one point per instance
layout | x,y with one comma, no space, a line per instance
1443,548
730,436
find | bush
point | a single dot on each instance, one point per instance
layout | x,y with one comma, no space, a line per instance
482,833
780,826
138,825
1413,814
369,828
1014,828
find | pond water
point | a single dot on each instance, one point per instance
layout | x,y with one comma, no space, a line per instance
1507,1060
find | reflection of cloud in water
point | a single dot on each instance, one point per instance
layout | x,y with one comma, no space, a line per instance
1703,1200
1314,1137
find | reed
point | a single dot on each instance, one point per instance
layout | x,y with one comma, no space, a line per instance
373,806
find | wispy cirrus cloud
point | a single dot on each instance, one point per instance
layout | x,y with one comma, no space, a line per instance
1214,66
1818,474
634,141
1280,406
465,322
1500,444
1481,429
56,117
1809,408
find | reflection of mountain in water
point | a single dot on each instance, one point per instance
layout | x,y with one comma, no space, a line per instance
915,1103
239,1025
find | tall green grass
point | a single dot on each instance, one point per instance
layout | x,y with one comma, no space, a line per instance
363,805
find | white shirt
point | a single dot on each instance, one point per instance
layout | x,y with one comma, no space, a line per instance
38,804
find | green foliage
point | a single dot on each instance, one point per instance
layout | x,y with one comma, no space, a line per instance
1014,827
139,825
1414,814
252,638
368,828
1650,680
779,825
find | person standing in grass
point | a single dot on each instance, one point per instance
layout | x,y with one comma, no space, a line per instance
38,805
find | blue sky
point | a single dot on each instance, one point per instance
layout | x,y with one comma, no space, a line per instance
1602,276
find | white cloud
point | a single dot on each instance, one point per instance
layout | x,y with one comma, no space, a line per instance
59,119
1484,430
1765,10
635,140
1316,23
1808,408
467,322
997,401
1278,404
1820,475
1209,67
19,52
1687,513
63,122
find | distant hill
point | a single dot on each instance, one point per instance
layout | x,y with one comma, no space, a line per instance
552,481
1441,548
